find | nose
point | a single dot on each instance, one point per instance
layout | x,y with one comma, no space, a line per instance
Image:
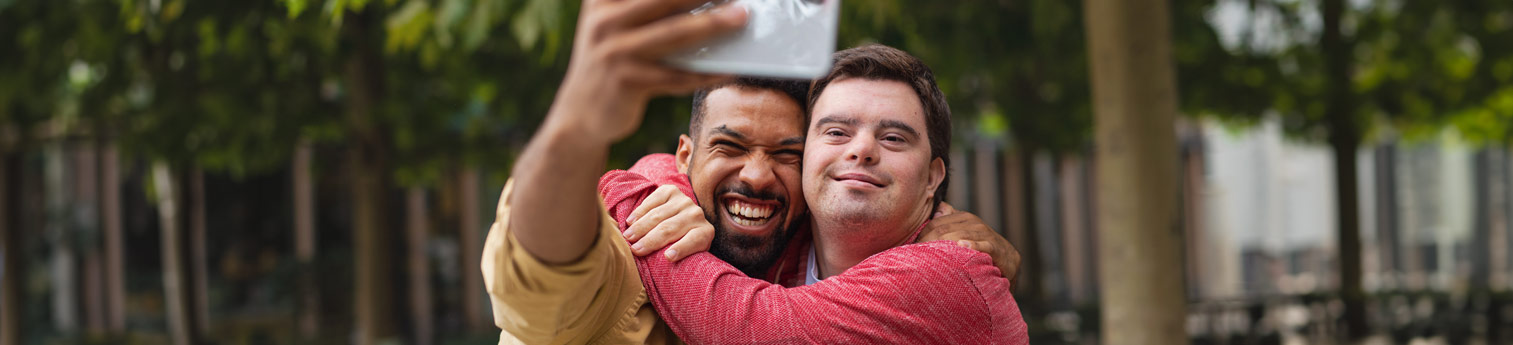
758,172
862,151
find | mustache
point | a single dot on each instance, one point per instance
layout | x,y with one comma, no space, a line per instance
746,191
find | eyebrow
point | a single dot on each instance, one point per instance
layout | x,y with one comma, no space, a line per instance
722,129
900,125
851,121
845,120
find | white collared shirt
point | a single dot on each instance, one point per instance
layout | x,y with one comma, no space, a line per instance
814,272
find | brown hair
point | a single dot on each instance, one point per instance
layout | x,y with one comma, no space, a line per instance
880,62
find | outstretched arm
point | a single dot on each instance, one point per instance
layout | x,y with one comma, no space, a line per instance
615,69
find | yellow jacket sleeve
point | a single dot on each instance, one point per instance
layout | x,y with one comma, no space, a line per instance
593,300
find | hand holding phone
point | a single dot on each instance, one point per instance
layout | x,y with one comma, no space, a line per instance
782,38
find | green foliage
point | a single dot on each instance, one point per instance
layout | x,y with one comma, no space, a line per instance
1023,64
232,86
35,74
1024,61
228,87
1418,65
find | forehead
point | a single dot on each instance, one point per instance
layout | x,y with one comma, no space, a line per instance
754,112
871,101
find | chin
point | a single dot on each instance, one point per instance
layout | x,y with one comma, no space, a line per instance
851,206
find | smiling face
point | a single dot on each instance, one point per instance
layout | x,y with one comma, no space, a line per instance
867,160
743,163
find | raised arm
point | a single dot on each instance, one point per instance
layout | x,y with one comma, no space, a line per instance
615,69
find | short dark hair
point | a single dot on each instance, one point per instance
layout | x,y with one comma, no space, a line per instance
880,62
794,89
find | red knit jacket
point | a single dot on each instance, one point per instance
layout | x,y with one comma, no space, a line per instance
927,293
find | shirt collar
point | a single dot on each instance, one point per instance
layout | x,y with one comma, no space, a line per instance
813,274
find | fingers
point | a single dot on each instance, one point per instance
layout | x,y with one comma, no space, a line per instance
697,240
657,198
675,227
1007,264
960,225
981,246
660,38
647,223
658,79
631,13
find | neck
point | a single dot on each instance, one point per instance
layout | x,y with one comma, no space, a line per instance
839,245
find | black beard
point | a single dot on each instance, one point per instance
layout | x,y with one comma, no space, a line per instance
752,255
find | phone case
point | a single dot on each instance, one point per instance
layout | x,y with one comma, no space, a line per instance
782,38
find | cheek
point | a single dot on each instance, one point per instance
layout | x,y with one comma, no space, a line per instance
713,173
913,170
792,178
817,157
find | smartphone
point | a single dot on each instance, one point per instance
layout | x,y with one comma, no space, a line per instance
782,39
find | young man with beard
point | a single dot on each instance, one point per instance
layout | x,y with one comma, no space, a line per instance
874,171
550,275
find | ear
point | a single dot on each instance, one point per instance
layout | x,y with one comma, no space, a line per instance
685,153
937,174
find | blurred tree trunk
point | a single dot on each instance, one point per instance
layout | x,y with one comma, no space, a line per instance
960,194
1345,140
304,242
200,304
1487,232
470,234
1497,216
1022,209
985,178
1074,229
1134,106
60,235
1481,228
1388,231
175,289
417,227
85,216
368,171
112,226
11,242
1502,231
1196,241
1048,231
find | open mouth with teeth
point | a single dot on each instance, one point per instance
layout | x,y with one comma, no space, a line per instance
748,214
